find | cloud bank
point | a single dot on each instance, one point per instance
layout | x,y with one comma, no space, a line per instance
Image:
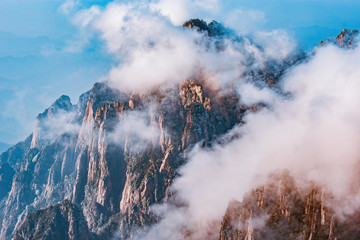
154,50
313,134
310,129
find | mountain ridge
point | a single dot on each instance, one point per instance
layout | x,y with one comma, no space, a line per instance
97,170
4,147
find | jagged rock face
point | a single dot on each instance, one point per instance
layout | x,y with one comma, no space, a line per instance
114,182
105,173
61,104
43,179
346,39
115,179
15,153
213,29
62,221
282,210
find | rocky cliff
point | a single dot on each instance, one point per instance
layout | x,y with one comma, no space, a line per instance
112,182
94,155
62,221
347,38
92,170
281,209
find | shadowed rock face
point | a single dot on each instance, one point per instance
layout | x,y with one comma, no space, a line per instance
62,221
114,182
61,105
282,210
213,29
106,182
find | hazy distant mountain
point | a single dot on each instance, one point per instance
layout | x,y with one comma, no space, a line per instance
4,146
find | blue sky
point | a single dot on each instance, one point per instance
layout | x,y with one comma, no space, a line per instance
38,60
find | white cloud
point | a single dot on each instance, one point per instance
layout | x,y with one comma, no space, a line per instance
153,51
135,130
250,94
277,44
85,16
244,21
68,6
54,125
113,26
314,134
61,123
176,10
179,11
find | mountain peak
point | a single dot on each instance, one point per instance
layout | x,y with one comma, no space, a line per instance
63,100
213,28
345,39
200,24
347,33
63,103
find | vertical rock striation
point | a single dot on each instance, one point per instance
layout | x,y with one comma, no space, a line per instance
283,210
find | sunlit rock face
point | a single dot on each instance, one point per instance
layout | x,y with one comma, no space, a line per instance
114,182
281,209
105,172
346,39
94,169
124,179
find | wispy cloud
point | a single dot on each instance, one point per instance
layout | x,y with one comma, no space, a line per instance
135,131
313,134
152,50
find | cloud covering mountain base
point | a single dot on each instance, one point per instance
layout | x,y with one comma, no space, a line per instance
312,133
191,124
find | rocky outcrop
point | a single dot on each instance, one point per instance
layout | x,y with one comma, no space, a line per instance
346,39
118,178
42,179
43,164
15,154
114,181
110,176
62,221
213,29
281,209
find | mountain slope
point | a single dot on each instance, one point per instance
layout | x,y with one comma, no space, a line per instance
62,221
102,163
116,178
282,210
346,39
